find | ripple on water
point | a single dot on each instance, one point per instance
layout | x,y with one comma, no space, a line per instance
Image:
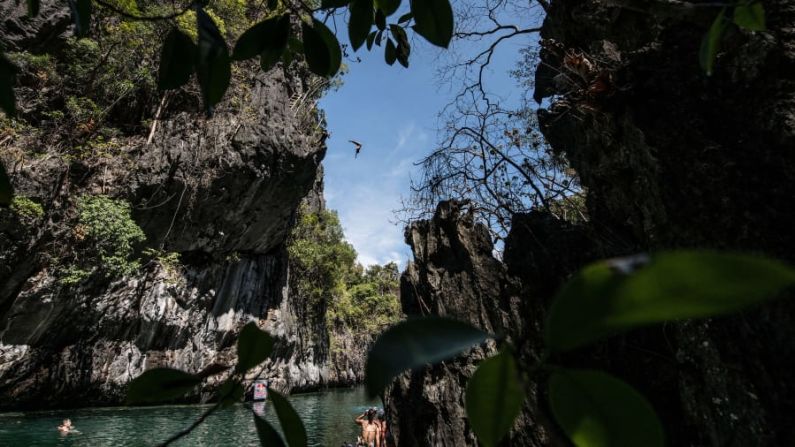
328,417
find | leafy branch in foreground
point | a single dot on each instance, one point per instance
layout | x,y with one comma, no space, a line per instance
273,39
605,298
745,14
268,39
254,346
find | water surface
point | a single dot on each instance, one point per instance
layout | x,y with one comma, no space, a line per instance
328,417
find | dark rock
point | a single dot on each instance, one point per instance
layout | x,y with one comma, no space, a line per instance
455,274
669,158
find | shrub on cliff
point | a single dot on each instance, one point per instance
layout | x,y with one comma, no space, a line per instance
106,236
324,271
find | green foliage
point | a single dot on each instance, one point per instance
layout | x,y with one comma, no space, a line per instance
253,347
213,68
116,66
415,343
160,385
6,190
111,232
710,44
335,290
610,296
494,397
434,20
27,208
321,48
320,259
268,435
597,410
267,39
361,13
291,423
8,74
749,15
72,275
176,57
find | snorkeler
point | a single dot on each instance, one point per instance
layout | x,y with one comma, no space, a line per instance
66,427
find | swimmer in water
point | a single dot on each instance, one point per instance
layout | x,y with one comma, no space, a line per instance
66,427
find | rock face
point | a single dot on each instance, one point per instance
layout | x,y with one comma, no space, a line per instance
669,158
454,274
222,193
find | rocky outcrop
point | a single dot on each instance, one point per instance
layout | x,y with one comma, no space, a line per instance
455,274
673,158
222,193
669,158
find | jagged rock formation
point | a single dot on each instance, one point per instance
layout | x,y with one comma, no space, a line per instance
222,193
669,158
454,274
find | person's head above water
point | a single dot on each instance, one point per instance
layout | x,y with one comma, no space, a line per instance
67,422
370,414
380,414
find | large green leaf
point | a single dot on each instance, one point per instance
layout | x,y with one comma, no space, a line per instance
415,343
390,52
750,16
403,47
253,347
33,8
360,22
610,296
81,15
710,43
274,51
597,410
434,20
6,190
388,7
267,38
176,60
494,397
292,425
8,78
321,48
268,436
327,4
371,40
230,393
159,385
213,67
380,20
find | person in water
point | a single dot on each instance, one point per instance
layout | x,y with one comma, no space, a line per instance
386,436
66,426
371,429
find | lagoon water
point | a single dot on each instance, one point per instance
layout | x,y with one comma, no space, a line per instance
328,417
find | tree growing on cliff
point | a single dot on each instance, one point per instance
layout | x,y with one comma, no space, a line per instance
339,291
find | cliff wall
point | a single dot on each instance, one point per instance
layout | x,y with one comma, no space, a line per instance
219,193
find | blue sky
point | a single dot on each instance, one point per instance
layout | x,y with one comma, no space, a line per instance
393,112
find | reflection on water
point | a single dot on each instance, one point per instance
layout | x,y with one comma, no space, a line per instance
328,417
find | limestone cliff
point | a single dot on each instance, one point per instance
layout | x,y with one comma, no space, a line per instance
221,193
669,158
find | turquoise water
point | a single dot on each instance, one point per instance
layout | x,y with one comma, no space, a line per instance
328,417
